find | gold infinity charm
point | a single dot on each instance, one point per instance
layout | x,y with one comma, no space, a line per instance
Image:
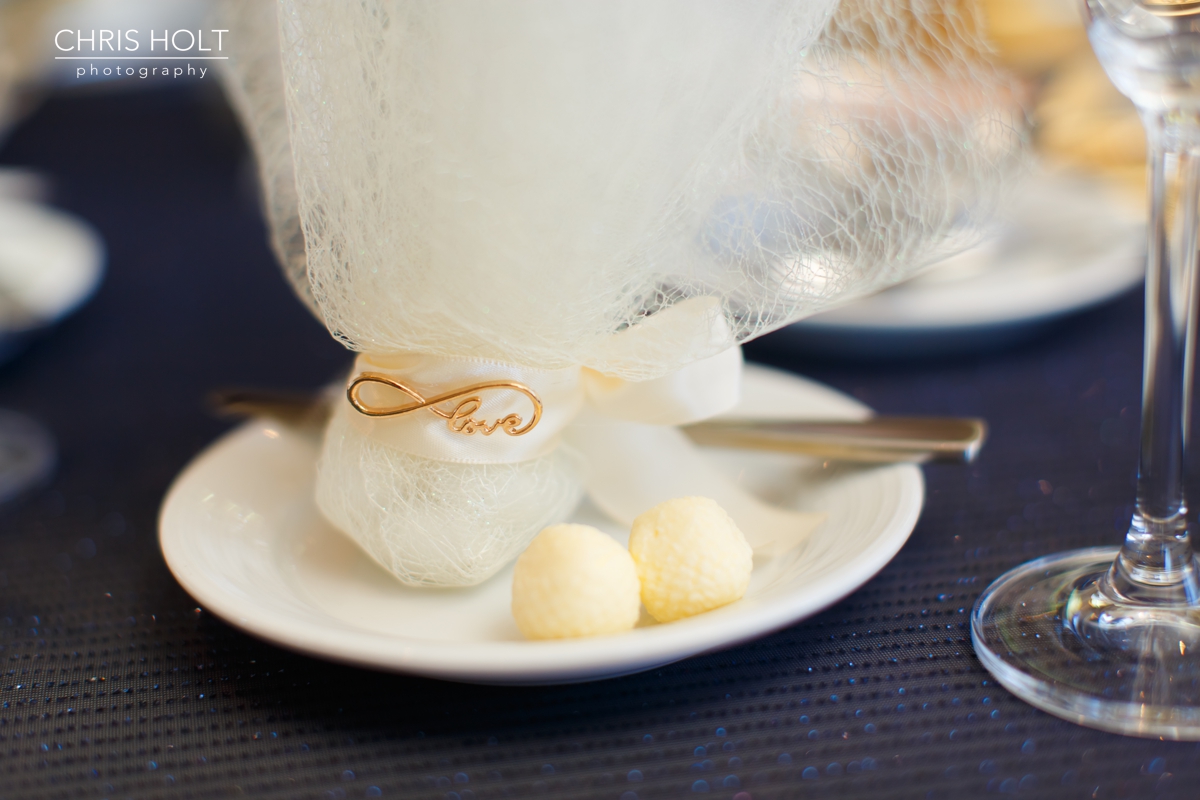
459,420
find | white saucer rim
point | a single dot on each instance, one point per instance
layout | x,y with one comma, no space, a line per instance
1122,272
1030,281
531,662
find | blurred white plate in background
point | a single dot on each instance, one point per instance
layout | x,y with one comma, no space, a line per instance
1062,243
50,263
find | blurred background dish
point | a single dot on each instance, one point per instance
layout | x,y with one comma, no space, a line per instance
1062,243
50,263
1069,236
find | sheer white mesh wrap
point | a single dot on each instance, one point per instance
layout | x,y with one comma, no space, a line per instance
520,180
255,85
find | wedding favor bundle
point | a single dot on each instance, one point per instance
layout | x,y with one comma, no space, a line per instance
545,227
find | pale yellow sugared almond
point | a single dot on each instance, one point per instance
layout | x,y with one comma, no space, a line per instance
574,580
690,557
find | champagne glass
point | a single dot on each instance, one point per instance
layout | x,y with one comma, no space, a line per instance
1105,637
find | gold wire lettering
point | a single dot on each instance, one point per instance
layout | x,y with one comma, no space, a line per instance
461,419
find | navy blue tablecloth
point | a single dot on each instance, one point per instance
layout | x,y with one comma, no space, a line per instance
114,684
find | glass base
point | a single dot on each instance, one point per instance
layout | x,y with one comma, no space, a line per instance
1052,635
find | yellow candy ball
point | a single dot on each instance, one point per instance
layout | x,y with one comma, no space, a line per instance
574,580
690,557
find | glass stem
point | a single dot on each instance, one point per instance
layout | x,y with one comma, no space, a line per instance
1156,564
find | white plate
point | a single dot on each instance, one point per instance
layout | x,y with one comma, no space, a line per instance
1061,243
240,532
50,262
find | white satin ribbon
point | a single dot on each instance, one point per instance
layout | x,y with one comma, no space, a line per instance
624,429
697,391
634,467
